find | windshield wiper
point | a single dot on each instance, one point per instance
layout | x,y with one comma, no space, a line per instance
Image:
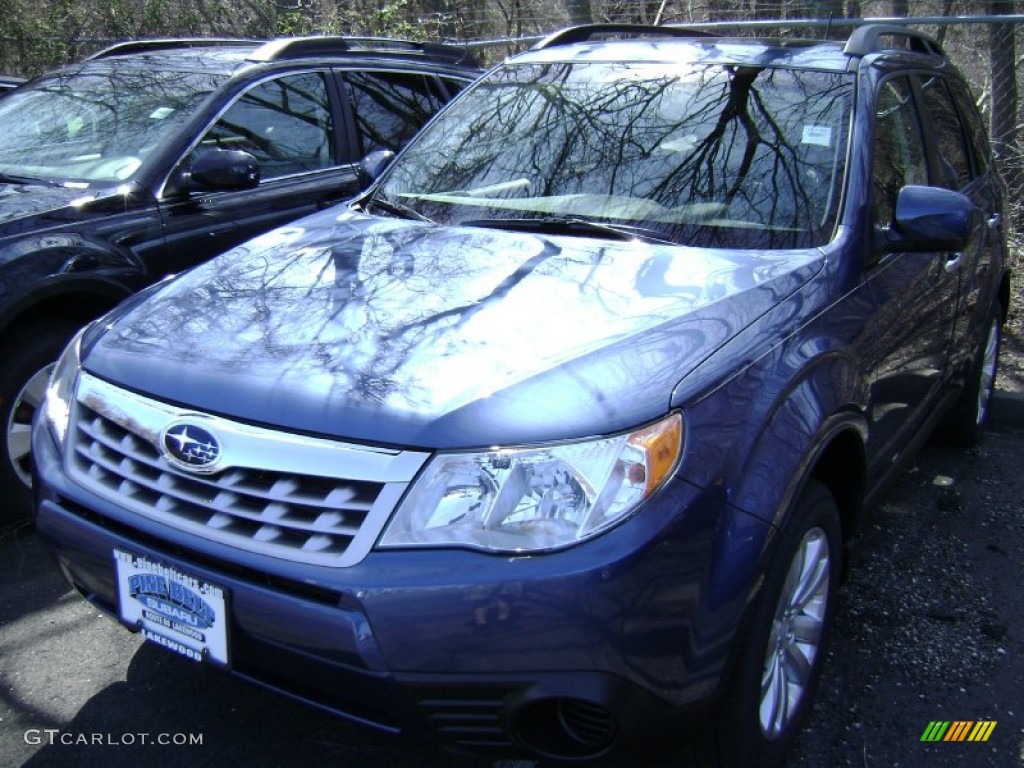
571,225
12,178
394,207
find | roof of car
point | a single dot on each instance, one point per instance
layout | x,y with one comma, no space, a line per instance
742,51
229,55
680,44
9,82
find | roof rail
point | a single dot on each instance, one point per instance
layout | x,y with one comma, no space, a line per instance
868,39
328,45
163,44
584,32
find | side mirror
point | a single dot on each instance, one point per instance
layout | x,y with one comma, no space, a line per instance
930,219
373,165
223,170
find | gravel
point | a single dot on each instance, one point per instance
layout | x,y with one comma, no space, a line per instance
931,623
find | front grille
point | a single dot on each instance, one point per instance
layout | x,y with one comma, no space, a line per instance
258,506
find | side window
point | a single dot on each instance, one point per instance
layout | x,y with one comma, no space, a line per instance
977,135
285,123
390,107
898,155
955,168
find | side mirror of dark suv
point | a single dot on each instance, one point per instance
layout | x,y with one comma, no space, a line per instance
224,170
373,165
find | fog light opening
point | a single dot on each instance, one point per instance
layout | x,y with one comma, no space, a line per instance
566,728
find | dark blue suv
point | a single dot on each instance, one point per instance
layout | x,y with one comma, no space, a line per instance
153,155
553,443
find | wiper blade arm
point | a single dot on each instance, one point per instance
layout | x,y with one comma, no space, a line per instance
570,225
12,178
395,207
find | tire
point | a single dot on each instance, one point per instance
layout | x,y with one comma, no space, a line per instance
965,424
779,668
29,354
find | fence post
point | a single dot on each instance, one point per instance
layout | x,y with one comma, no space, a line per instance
1002,66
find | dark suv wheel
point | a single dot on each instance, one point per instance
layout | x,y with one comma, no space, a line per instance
31,353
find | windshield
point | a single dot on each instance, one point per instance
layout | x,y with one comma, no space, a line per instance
726,156
96,126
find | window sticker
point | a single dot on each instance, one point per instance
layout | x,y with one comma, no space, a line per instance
680,144
161,112
819,135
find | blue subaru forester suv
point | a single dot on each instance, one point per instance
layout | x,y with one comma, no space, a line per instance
553,443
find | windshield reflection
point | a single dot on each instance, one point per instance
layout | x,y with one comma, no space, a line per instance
95,126
725,156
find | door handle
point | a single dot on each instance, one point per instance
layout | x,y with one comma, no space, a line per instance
954,262
994,221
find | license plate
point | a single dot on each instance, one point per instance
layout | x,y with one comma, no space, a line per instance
173,609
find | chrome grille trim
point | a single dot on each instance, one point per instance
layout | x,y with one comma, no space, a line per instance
303,499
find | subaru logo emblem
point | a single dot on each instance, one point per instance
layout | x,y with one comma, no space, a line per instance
190,446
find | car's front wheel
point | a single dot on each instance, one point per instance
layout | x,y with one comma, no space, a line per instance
28,355
781,662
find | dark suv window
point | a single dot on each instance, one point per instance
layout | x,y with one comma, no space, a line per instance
898,156
955,167
96,127
285,123
390,107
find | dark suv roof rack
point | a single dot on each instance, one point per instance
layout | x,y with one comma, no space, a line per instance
294,47
163,44
326,45
584,32
869,39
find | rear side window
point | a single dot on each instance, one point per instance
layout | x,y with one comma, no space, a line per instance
898,156
977,144
955,168
285,123
390,107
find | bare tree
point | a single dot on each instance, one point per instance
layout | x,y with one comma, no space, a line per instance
579,11
1002,60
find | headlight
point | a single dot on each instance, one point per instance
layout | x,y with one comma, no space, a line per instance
528,499
61,389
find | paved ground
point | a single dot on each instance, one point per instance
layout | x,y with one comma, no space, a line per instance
932,628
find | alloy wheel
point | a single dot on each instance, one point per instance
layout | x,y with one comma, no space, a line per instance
796,634
19,424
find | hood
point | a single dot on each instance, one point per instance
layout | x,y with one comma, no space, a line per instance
18,201
412,334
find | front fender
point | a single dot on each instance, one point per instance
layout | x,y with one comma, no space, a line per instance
759,434
825,398
41,268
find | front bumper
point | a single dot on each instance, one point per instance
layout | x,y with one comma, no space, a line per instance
573,654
